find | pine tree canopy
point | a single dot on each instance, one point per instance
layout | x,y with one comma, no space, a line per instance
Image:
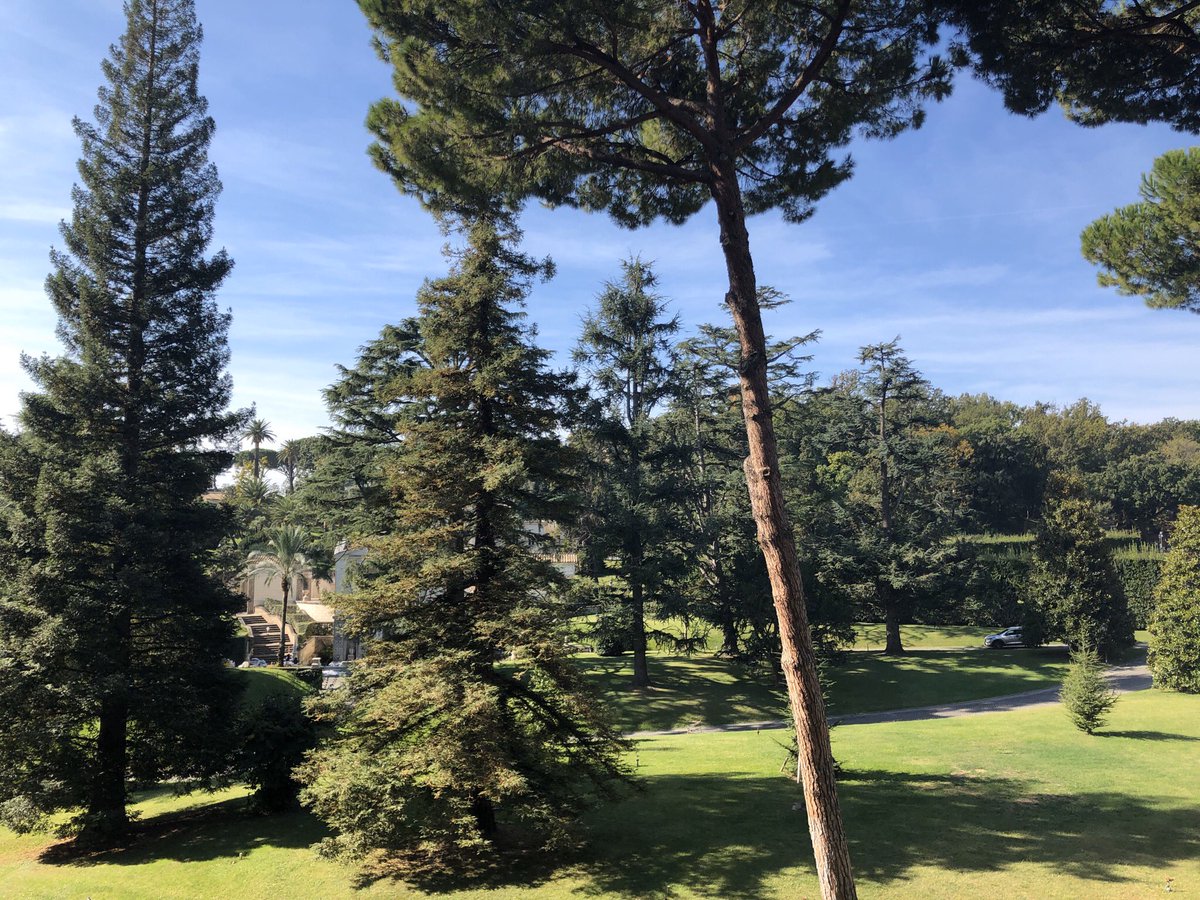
1151,249
111,630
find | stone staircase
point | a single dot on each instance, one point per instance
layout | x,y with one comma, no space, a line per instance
264,637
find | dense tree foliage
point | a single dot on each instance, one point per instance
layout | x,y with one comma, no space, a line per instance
1075,582
1175,629
437,748
111,629
632,511
1101,60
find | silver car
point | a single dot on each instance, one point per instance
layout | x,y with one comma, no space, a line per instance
1009,637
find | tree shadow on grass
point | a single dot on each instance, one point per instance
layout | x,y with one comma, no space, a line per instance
210,831
686,691
973,822
732,836
1148,735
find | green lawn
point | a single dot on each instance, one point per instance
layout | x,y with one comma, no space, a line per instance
704,690
1014,805
871,636
263,682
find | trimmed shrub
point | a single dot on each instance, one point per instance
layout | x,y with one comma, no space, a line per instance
1175,629
1085,694
1139,575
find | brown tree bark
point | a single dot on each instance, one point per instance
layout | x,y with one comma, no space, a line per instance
830,848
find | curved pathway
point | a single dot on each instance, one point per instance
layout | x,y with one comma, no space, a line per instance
1122,679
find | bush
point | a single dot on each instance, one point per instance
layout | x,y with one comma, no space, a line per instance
276,732
1139,576
1175,629
1085,694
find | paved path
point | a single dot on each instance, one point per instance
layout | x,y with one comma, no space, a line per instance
1123,679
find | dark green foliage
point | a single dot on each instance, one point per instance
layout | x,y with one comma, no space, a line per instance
111,629
1139,577
1085,694
1175,629
1147,489
604,106
1103,61
892,481
1149,249
1075,581
995,589
437,751
725,581
634,499
275,734
1006,468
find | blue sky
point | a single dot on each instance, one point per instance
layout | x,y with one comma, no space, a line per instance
961,237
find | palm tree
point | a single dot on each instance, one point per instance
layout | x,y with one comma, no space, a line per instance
287,461
258,432
284,555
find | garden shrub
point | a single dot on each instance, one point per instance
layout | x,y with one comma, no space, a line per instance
1139,575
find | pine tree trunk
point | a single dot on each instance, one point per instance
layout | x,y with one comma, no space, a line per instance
485,816
106,819
830,848
891,617
641,666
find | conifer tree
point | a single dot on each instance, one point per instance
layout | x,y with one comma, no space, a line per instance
726,581
1085,694
436,749
626,350
1151,249
111,631
1175,629
1075,581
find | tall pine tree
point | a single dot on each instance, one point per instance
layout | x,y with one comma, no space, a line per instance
438,750
111,630
626,350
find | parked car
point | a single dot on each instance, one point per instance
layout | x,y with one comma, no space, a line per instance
1009,637
256,663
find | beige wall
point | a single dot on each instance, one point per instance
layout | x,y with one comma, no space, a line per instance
258,588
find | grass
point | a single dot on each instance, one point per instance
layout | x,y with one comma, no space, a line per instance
1014,805
871,636
262,682
704,690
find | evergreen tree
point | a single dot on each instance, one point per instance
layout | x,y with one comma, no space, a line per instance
111,631
895,486
436,748
626,350
1102,61
1075,582
1175,629
284,555
1085,694
1151,249
726,581
258,432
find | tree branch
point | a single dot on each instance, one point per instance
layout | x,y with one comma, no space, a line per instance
803,80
